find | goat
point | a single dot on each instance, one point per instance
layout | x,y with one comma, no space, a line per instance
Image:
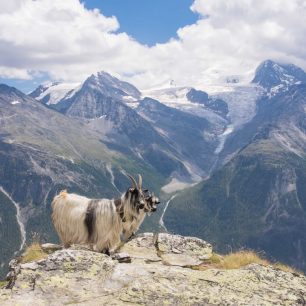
96,222
130,228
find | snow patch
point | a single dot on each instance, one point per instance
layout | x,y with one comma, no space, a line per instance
223,137
170,96
241,101
15,102
59,91
131,101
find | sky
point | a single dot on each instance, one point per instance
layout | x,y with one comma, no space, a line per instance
149,22
148,43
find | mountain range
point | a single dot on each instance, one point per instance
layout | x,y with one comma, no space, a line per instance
241,148
257,199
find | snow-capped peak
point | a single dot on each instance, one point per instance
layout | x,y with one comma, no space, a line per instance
111,86
53,92
275,77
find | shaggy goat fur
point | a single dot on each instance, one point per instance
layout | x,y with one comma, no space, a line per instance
96,222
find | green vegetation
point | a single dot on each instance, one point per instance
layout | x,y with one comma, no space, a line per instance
247,204
34,252
3,283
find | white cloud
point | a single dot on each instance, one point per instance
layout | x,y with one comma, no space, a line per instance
10,6
70,42
62,38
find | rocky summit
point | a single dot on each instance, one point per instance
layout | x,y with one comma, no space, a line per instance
151,269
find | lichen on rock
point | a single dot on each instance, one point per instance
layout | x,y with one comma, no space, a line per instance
149,270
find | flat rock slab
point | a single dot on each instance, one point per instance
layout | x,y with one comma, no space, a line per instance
50,247
183,251
142,247
171,249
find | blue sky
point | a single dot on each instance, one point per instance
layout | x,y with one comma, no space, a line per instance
148,21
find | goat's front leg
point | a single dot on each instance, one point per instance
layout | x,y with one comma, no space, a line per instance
106,252
132,236
128,235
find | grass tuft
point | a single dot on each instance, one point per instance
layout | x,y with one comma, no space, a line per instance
240,259
3,284
286,268
33,252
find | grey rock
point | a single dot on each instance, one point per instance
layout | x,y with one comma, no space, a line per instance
30,265
122,257
84,277
50,247
183,251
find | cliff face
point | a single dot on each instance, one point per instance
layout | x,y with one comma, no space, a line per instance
149,270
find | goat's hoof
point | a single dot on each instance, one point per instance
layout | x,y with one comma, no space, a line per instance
106,252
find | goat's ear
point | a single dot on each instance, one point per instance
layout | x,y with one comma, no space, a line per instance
145,190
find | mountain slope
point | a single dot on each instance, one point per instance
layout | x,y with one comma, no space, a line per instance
43,152
258,199
123,129
193,136
106,105
109,106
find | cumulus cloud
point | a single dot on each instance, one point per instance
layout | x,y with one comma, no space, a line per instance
64,39
69,42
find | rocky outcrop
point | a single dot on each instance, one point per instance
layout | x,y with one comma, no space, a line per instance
149,270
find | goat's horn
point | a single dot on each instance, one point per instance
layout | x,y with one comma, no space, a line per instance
140,181
133,181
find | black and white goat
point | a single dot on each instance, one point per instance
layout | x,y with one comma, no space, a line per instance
131,227
96,222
